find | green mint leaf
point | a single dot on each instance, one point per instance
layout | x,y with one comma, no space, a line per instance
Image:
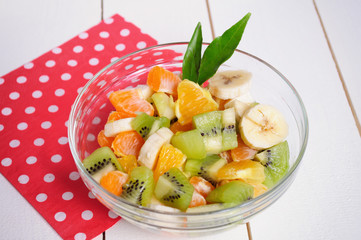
221,49
192,57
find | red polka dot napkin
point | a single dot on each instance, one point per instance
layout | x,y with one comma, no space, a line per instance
35,105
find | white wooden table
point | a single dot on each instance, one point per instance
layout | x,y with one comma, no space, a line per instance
316,45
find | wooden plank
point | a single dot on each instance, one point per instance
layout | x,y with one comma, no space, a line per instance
29,29
322,203
341,23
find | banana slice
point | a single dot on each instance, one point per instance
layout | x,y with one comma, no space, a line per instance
241,104
263,126
111,129
145,91
149,152
230,84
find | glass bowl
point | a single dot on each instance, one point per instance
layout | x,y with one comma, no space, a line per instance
91,108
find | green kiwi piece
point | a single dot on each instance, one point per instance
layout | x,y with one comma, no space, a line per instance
276,162
164,105
229,134
232,192
142,124
174,190
140,186
158,123
210,126
100,162
206,167
190,143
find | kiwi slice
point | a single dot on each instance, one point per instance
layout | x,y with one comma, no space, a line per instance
142,124
206,167
190,143
232,192
100,162
159,123
276,162
210,126
210,207
229,134
140,186
164,105
174,190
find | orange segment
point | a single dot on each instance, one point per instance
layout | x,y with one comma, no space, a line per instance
201,185
247,170
103,140
113,182
242,151
226,155
169,157
177,127
192,100
197,200
127,143
114,115
128,163
162,80
129,102
259,189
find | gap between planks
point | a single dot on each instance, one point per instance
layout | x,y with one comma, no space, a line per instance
354,114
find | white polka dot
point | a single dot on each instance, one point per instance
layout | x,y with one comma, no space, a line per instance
66,123
87,215
39,142
56,50
103,106
22,126
108,20
78,49
124,32
91,195
140,66
90,137
2,81
37,94
80,236
56,158
63,140
96,120
157,53
50,63
53,108
6,162
129,66
114,59
94,61
99,47
137,58
83,35
49,178
88,75
14,95
29,110
159,60
29,65
59,92
14,143
60,216
104,34
6,111
43,78
141,45
46,125
67,196
120,47
72,63
23,179
110,72
1,127
31,160
74,176
41,197
112,215
65,76
21,79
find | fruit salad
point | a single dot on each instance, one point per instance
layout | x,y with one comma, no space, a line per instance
192,142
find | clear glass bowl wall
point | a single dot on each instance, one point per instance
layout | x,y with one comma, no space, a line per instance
91,109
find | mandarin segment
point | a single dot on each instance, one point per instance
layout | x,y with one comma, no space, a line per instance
192,100
177,127
114,115
197,200
162,80
104,141
242,151
127,143
247,170
113,182
169,157
202,186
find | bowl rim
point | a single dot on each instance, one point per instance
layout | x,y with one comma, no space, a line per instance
246,204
